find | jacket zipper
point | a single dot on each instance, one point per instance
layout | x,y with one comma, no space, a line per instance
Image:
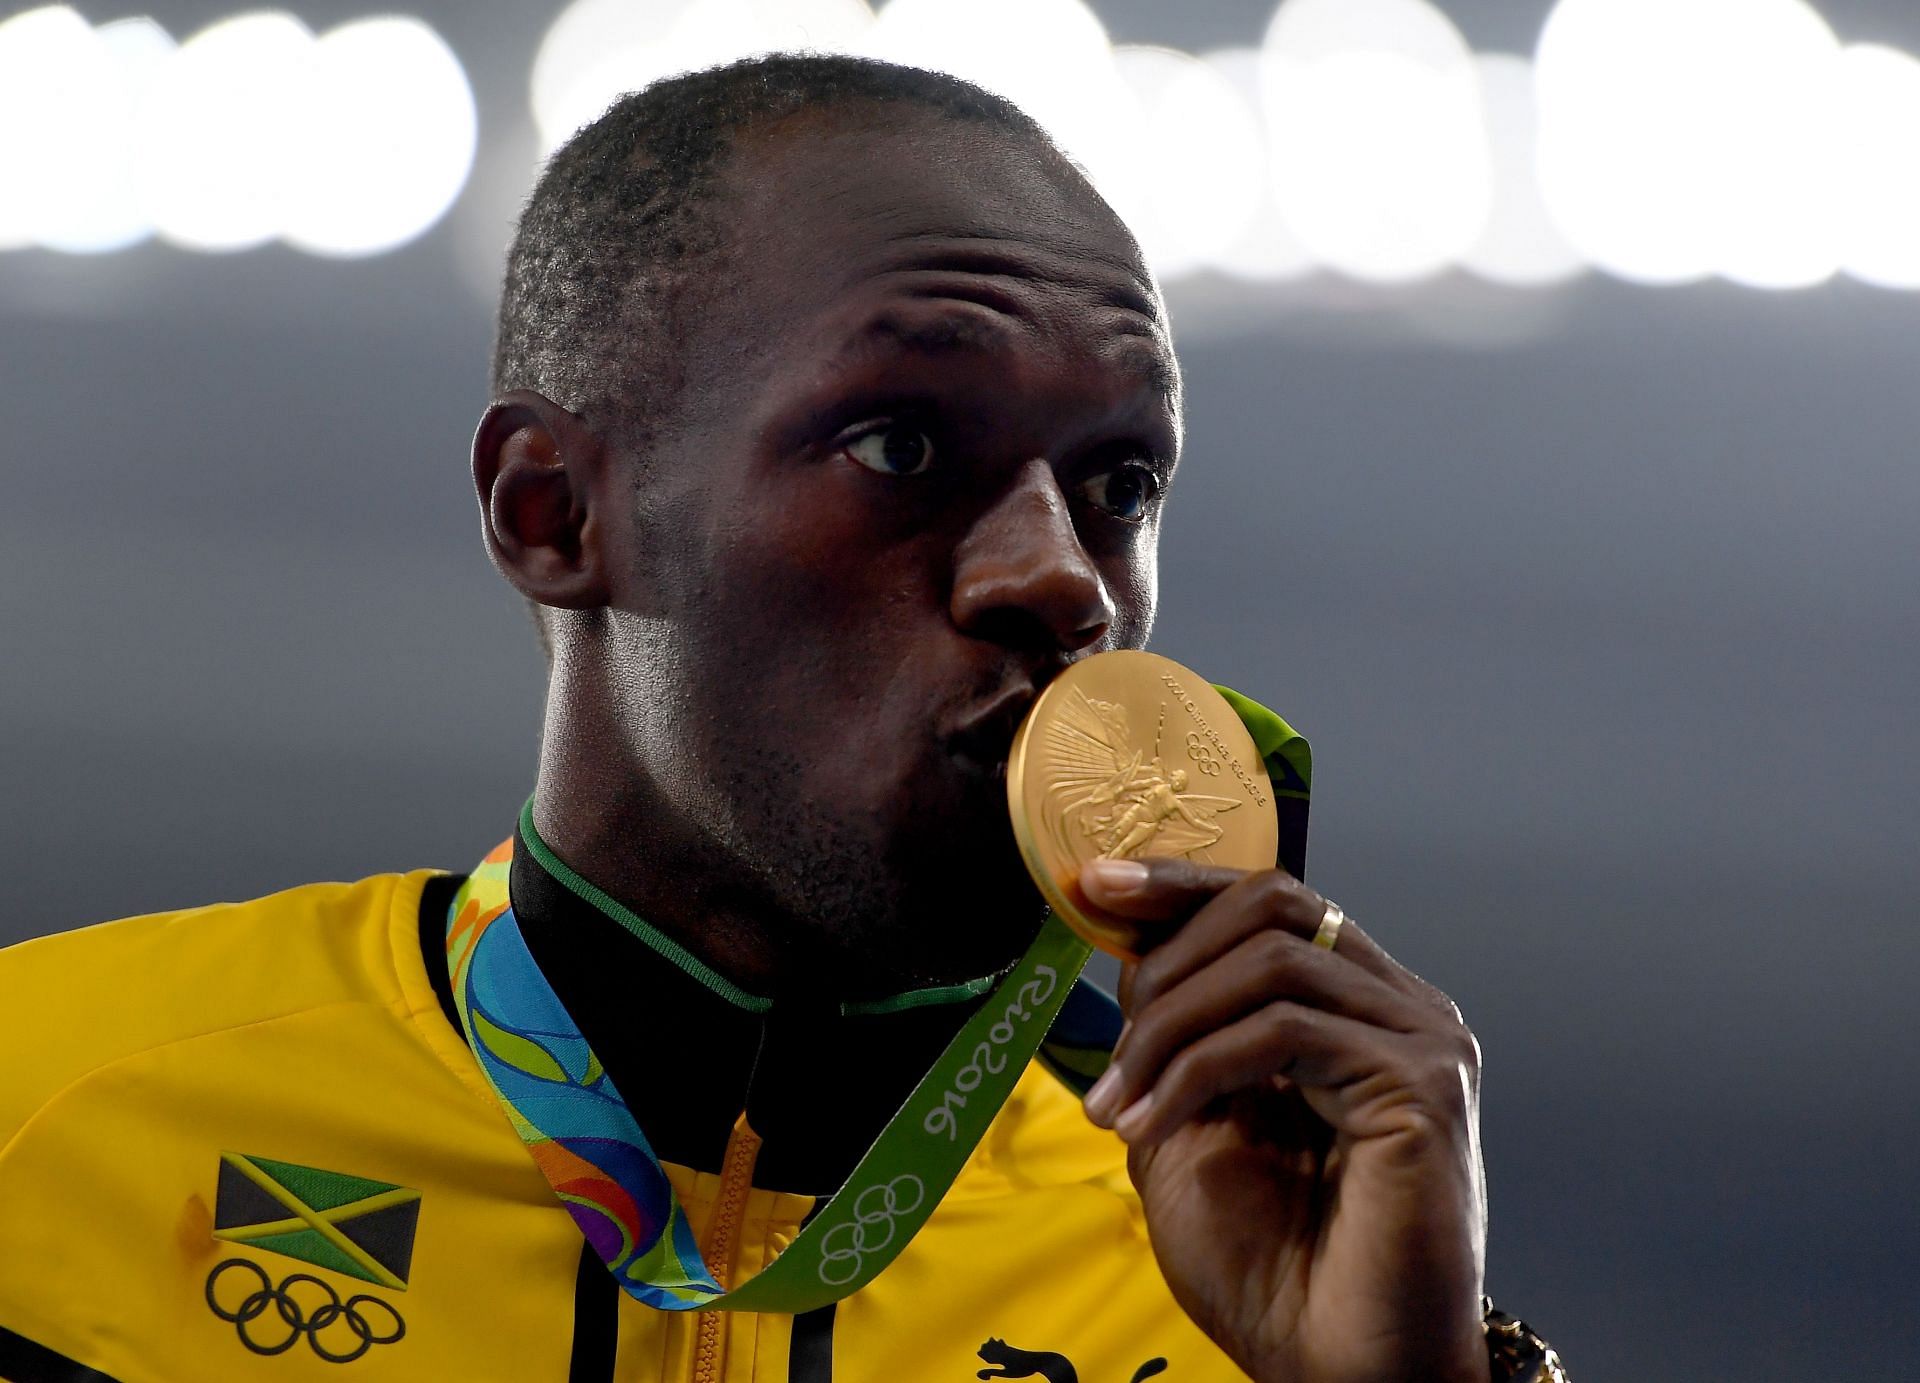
723,1241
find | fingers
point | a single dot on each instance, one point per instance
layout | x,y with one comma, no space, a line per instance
1282,1041
1224,907
1267,966
1237,994
1365,1081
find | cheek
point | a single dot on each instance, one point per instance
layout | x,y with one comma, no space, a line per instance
823,581
820,628
1134,585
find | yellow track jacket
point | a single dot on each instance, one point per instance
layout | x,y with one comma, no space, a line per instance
247,1142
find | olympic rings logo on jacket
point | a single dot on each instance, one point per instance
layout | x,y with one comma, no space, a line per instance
338,1331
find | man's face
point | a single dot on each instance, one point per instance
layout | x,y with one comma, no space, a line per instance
928,419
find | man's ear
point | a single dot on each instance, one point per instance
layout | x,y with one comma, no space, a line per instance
540,474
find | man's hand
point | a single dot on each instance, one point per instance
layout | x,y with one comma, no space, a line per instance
1304,1132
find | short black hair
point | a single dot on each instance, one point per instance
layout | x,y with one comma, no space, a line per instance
624,214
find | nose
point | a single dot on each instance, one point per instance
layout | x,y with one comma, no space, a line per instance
1021,576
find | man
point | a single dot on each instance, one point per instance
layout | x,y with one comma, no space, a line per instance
834,416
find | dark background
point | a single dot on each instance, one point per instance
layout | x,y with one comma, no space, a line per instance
1598,605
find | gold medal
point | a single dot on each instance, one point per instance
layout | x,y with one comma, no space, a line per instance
1129,756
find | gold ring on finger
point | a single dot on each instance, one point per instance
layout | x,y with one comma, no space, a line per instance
1331,921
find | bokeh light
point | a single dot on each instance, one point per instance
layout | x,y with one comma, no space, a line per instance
1379,144
1052,58
598,50
1683,138
253,130
1521,246
1266,249
1307,31
54,76
90,202
1200,165
1876,149
594,51
1659,141
217,145
385,140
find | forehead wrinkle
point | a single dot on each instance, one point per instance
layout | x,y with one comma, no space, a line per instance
991,253
960,333
1131,301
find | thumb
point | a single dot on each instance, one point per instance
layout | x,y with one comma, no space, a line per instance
1158,890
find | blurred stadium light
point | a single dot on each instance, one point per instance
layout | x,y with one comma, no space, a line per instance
350,143
1382,163
1876,138
1197,180
1658,141
1520,243
598,49
1684,138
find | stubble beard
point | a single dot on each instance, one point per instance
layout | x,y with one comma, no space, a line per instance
866,915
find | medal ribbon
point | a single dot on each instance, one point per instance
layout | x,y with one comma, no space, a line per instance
585,1140
587,1143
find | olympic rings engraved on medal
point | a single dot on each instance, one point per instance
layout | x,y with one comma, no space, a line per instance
988,1058
1202,756
302,1320
871,1228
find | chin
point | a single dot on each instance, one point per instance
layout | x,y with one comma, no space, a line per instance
931,951
918,884
969,912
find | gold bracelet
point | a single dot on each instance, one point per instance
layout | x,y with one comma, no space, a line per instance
1515,1352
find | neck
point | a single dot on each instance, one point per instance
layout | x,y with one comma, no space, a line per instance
656,803
621,836
610,817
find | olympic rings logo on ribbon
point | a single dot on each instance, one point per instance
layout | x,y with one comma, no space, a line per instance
327,1314
871,1228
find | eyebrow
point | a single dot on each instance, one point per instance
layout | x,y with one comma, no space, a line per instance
947,334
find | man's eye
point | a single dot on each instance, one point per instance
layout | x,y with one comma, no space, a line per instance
892,450
1126,492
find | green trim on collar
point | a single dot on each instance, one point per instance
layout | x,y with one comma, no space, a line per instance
662,944
672,951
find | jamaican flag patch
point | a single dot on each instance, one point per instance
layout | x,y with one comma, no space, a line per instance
350,1224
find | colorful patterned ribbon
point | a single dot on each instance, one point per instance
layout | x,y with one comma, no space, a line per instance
585,1140
587,1143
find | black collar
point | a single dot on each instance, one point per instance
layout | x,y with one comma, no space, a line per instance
816,1084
